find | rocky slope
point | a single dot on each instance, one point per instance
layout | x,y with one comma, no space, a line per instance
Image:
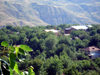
44,12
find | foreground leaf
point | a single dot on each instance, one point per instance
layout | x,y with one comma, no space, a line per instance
17,50
26,48
31,72
21,51
5,44
16,68
12,60
11,71
11,49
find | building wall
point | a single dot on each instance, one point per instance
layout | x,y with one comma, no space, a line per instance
68,31
95,54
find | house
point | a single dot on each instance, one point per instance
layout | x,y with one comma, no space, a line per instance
79,27
52,30
92,52
68,30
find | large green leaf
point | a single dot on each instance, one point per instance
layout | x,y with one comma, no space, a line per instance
17,50
12,49
5,44
12,60
21,51
16,68
21,73
11,71
26,48
31,72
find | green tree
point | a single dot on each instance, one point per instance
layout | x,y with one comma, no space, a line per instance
55,66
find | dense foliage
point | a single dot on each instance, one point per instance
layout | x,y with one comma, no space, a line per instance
13,54
55,54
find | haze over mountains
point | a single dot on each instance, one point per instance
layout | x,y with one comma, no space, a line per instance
53,12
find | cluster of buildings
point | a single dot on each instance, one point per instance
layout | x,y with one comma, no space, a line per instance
92,51
69,29
78,27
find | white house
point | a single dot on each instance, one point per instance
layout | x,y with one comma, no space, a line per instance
52,30
81,27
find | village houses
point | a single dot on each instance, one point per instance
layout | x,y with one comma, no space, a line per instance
77,27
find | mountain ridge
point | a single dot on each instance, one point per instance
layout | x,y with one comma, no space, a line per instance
49,12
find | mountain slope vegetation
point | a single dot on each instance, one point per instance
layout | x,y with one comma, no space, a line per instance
52,54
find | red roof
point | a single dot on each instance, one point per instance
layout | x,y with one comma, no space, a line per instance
91,48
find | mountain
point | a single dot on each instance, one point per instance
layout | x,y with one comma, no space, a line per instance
45,12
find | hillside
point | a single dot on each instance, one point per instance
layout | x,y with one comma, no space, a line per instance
44,12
